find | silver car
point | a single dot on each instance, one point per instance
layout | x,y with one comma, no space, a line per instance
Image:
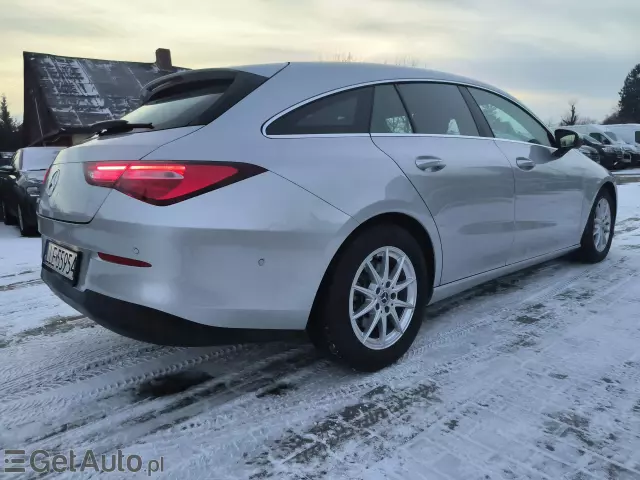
242,204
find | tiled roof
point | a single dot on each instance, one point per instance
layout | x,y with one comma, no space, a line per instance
82,91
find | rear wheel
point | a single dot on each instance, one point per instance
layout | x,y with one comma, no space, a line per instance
6,216
598,233
25,229
374,301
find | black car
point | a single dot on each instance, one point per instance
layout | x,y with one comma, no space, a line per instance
611,157
20,184
590,152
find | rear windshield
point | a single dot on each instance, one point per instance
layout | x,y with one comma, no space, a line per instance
40,160
179,110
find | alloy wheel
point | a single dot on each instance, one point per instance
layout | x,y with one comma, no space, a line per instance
383,298
602,225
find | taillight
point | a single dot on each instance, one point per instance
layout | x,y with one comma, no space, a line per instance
166,183
46,174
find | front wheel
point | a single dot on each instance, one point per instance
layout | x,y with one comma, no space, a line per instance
373,305
598,233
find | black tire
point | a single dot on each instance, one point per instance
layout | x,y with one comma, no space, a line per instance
25,230
330,325
7,218
588,253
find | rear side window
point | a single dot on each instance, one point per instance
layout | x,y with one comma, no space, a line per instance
438,109
389,115
179,110
344,112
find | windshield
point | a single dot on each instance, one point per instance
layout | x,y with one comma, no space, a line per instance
38,160
590,140
612,136
176,111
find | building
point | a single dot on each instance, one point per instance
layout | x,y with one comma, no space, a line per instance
64,95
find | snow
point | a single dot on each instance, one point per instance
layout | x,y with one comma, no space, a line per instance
533,376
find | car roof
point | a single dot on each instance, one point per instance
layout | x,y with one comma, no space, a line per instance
356,72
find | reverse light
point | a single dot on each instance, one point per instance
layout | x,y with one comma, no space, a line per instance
166,183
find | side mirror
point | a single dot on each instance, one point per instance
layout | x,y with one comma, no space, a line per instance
568,139
6,169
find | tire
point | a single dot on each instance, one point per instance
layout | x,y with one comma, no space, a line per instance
331,327
592,251
6,216
25,230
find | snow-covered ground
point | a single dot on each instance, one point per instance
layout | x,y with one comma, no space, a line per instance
534,376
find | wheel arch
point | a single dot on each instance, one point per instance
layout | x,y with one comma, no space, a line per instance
403,220
611,189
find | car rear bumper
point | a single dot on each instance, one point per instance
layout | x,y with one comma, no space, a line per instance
247,256
151,325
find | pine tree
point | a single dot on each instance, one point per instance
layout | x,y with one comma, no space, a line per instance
629,105
6,122
9,130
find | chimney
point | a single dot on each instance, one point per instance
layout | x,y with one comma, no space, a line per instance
163,59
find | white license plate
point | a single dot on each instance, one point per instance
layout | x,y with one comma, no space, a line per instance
61,260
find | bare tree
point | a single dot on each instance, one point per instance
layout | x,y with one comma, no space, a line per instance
571,117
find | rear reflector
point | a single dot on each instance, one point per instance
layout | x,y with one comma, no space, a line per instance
131,262
166,183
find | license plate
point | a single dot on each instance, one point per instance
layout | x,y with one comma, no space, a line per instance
61,260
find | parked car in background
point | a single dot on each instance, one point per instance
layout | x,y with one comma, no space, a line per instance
337,198
5,158
629,132
611,158
590,152
597,132
20,184
631,148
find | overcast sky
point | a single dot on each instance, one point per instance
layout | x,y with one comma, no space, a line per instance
546,52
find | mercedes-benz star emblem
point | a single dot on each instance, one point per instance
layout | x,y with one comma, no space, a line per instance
53,182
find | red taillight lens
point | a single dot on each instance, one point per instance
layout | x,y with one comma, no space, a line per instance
130,262
46,174
166,183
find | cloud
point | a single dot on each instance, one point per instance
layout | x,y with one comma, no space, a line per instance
550,51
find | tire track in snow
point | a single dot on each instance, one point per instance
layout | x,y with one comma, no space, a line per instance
256,428
23,284
293,401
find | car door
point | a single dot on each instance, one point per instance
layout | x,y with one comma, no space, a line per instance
464,179
548,200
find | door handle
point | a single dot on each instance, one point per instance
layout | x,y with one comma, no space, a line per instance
525,163
432,164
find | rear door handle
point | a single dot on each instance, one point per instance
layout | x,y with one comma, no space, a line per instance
430,163
525,163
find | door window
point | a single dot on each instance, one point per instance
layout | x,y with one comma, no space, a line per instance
345,112
437,108
389,115
510,122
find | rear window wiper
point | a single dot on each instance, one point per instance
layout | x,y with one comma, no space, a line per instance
113,126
